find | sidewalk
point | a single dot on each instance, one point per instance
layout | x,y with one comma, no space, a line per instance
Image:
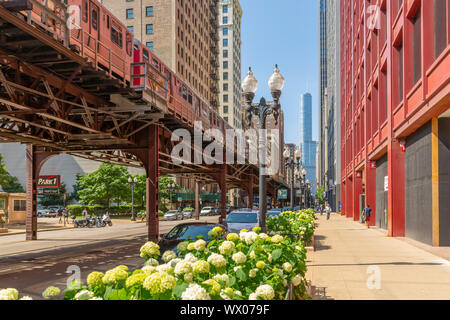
348,256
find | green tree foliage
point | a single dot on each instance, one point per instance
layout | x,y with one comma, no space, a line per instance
164,192
54,199
109,183
7,182
319,195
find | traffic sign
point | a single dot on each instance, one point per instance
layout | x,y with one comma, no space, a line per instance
282,194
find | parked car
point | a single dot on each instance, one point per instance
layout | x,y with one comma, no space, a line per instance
207,211
188,213
274,212
174,215
297,208
238,220
41,212
185,231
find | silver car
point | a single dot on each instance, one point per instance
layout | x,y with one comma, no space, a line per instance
238,220
173,215
188,213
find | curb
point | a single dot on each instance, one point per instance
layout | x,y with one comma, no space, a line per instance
24,232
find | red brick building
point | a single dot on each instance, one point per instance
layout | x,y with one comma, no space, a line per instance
395,115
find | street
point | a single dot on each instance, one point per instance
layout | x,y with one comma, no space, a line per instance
33,266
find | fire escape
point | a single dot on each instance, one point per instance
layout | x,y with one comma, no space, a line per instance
214,55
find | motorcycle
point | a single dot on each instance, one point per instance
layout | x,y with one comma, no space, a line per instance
106,220
81,223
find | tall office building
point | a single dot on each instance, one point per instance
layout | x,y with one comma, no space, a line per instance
307,145
184,34
230,15
329,170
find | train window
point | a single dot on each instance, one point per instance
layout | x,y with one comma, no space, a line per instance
116,36
95,18
85,11
145,55
184,93
129,46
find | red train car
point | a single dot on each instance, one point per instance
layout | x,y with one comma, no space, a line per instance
96,34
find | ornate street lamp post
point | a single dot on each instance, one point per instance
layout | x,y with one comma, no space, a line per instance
292,160
171,186
132,183
262,110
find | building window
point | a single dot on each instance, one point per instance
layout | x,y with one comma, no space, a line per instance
225,31
20,205
225,64
2,204
225,42
150,45
400,73
417,47
130,14
149,11
225,98
225,20
131,28
225,87
225,9
225,76
149,29
225,53
225,109
440,28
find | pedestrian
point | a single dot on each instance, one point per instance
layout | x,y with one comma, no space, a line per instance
60,215
66,216
367,213
328,211
321,209
85,213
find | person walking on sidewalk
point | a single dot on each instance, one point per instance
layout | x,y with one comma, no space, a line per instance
367,213
328,211
60,215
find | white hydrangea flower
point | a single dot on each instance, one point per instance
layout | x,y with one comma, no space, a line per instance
296,280
195,292
242,235
26,298
190,258
222,277
188,277
265,292
252,255
263,236
151,262
9,294
84,295
252,273
239,257
183,267
169,255
253,296
237,268
250,237
164,268
287,267
174,262
217,260
200,245
227,247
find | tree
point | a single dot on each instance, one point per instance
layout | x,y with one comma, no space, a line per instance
164,192
8,183
54,199
319,195
108,183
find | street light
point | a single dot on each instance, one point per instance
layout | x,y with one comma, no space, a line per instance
171,186
262,110
132,183
292,162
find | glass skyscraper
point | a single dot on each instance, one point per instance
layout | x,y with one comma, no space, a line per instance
307,145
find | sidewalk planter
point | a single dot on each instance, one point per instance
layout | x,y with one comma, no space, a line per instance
246,266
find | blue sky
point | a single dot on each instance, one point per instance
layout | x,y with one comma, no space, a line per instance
283,32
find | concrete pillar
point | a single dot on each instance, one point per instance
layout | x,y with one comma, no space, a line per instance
152,184
396,192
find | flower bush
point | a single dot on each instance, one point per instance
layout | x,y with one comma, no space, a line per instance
299,225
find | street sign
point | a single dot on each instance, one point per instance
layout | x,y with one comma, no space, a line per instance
180,199
298,193
282,194
49,182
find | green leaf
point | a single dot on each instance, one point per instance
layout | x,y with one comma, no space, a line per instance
241,275
276,254
179,289
232,280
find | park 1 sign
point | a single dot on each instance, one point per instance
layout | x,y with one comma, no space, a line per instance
49,182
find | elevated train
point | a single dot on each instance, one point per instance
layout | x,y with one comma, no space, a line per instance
96,34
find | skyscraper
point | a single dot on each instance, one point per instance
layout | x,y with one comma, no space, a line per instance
230,15
307,145
329,169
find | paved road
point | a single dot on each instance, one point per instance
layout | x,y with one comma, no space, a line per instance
349,259
31,266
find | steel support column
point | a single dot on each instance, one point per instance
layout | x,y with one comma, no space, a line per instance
223,193
152,183
34,162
